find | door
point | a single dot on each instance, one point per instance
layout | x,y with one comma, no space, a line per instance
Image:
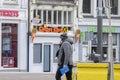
47,58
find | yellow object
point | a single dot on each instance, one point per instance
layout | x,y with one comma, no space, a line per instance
116,71
92,71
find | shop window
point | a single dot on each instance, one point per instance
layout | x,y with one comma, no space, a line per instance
105,39
114,39
9,45
37,53
55,49
86,6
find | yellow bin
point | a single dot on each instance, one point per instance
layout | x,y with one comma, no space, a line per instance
92,71
116,71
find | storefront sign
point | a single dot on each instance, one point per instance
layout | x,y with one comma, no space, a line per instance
11,1
105,29
9,13
52,29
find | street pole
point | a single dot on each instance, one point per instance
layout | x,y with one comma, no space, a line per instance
28,35
110,42
99,30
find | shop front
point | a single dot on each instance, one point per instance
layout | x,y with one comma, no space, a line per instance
47,23
44,47
13,30
89,42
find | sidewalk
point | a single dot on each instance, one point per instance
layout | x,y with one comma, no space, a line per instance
27,76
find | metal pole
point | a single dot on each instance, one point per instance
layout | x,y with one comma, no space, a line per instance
99,30
110,42
28,40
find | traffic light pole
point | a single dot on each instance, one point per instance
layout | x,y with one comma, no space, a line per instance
99,30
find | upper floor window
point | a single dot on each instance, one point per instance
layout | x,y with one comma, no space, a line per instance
58,17
114,7
86,6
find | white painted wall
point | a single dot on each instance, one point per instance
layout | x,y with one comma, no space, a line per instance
22,45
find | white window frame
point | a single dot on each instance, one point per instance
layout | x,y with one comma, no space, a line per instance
66,9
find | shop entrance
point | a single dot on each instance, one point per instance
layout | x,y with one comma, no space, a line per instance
9,45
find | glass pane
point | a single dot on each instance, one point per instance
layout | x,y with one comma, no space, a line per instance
114,39
55,17
105,38
55,49
49,17
114,5
47,53
69,17
37,53
34,13
44,17
39,13
59,17
86,6
9,44
6,45
65,17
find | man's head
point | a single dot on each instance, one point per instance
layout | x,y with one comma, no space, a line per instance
63,36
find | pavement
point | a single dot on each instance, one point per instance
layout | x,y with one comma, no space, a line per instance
26,76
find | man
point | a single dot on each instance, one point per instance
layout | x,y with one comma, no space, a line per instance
65,57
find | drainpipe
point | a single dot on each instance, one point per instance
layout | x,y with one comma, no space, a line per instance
28,35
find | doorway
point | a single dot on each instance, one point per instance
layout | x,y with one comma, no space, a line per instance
47,58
